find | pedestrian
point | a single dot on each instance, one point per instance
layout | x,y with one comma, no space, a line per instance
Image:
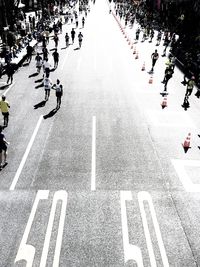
73,33
67,39
46,67
154,58
137,34
56,39
29,51
59,92
56,58
159,37
38,59
83,22
166,44
151,35
45,53
10,71
190,86
168,75
80,39
60,25
47,87
186,103
3,149
4,106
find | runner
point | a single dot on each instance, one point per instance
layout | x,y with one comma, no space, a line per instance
67,39
154,58
80,39
73,33
4,106
59,92
47,87
56,58
3,149
38,59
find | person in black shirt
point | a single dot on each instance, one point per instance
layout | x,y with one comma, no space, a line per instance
154,58
56,58
29,50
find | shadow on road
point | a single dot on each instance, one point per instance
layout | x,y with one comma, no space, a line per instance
50,114
40,105
39,85
4,86
33,75
78,48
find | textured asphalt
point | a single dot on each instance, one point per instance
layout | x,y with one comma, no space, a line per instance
136,142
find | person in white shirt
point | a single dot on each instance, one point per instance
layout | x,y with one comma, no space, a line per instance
47,87
59,92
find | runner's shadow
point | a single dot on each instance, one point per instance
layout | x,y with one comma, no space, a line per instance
76,48
39,80
50,114
4,86
53,49
40,105
39,85
33,75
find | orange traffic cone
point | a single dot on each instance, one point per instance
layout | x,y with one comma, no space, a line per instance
134,52
137,56
186,144
151,79
164,103
143,67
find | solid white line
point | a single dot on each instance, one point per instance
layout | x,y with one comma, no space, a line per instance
23,161
93,169
66,56
7,90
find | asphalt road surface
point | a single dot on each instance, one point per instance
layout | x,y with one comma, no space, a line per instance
104,181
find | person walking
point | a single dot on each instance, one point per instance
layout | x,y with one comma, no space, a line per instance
190,86
55,58
3,149
73,33
10,71
38,60
4,106
80,39
29,51
59,92
154,58
56,39
47,87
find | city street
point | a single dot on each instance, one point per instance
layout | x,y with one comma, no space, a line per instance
103,181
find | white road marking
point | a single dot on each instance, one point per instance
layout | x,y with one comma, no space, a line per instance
131,252
93,166
7,90
79,64
170,119
145,196
64,61
179,166
27,252
59,195
23,161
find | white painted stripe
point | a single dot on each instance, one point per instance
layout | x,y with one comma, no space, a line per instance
64,61
131,252
7,90
179,166
93,169
26,252
23,161
145,196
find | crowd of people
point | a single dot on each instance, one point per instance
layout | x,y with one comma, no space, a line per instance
43,34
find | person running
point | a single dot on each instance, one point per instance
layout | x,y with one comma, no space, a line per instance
47,87
67,39
83,22
168,75
10,71
56,39
59,92
45,53
4,106
55,58
38,59
3,148
80,39
190,86
29,51
154,58
159,37
73,33
46,67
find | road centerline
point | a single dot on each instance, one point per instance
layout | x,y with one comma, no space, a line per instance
93,165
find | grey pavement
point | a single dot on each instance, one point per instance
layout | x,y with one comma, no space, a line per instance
144,209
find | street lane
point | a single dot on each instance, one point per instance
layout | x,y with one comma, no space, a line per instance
136,142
